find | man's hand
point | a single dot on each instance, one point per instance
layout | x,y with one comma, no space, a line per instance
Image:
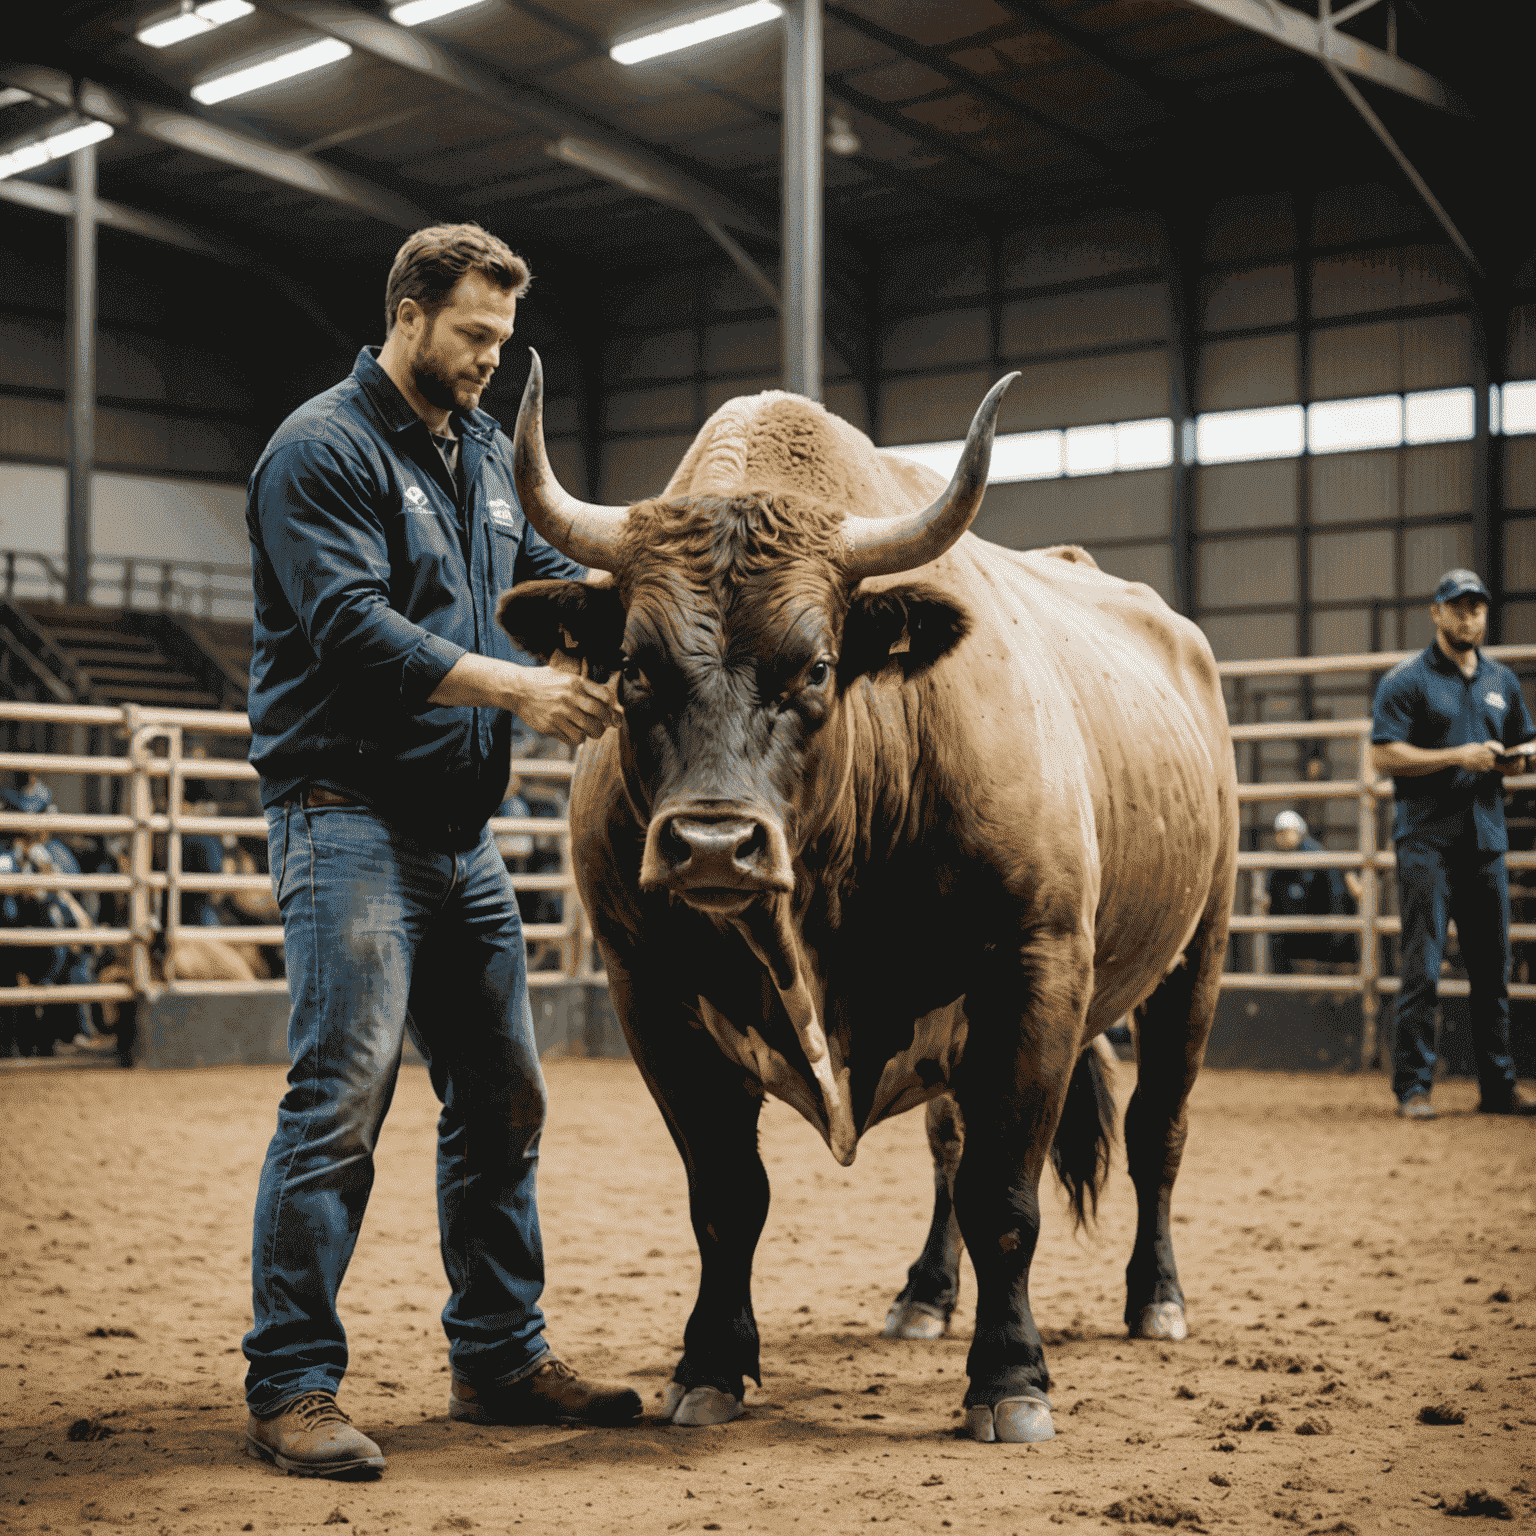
557,702
553,701
1479,756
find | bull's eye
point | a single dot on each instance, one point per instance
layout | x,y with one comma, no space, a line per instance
818,674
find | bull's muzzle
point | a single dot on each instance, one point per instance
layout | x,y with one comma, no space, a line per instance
716,859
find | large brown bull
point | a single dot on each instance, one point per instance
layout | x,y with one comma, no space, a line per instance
868,838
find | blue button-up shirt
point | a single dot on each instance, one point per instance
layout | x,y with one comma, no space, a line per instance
373,576
1428,703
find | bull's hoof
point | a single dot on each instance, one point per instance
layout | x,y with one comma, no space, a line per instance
1165,1320
1013,1421
914,1320
696,1406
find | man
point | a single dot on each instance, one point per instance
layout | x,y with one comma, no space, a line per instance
1447,725
383,527
1309,893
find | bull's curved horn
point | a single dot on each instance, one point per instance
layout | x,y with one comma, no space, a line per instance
883,546
580,529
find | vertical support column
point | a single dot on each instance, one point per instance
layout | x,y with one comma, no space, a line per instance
81,384
1490,328
590,407
800,280
1304,210
1182,243
1370,905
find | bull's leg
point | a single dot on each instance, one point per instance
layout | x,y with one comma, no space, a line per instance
712,1116
1012,1087
926,1304
1172,1027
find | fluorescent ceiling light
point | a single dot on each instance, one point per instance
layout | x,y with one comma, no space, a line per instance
414,12
55,147
1090,450
1144,444
185,24
686,34
284,67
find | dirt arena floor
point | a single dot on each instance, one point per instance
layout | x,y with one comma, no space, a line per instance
1353,1283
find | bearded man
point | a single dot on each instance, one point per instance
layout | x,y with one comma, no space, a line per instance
384,526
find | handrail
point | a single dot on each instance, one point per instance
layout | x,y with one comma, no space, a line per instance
135,582
154,738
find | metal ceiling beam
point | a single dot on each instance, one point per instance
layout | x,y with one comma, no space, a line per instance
1327,45
430,58
978,86
943,143
151,226
200,137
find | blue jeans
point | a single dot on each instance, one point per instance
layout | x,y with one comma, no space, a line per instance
377,926
1434,884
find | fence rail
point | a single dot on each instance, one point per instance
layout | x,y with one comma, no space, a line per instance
203,587
154,751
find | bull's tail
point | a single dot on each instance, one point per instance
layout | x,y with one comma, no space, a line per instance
1084,1136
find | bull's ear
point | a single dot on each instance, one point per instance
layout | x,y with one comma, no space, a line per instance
909,627
579,619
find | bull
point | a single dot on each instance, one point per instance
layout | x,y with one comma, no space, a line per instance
894,816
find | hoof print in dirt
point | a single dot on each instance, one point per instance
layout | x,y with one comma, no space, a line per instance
1441,1413
1013,1421
89,1429
1316,1425
1153,1509
699,1406
1480,1502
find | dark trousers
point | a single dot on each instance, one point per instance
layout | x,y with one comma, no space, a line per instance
1434,884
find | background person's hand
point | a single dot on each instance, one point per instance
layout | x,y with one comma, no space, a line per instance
1478,756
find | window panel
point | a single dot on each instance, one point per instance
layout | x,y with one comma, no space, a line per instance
1262,296
926,410
1341,632
1342,426
635,468
1151,563
1437,479
1252,637
1245,495
1352,565
1520,555
1428,553
952,336
1354,487
1236,572
1437,351
1354,360
642,410
1250,371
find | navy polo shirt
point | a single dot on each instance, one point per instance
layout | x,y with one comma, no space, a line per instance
1426,702
374,573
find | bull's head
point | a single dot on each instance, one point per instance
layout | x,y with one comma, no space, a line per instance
736,625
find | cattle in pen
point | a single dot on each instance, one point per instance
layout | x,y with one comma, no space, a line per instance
895,815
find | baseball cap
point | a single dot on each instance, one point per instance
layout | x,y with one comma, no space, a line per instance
1289,821
1458,583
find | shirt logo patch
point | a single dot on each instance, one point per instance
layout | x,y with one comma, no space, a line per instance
1496,699
416,498
501,512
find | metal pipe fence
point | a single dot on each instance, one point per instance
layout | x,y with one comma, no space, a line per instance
154,752
205,588
155,740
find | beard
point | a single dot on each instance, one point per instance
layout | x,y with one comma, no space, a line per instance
438,387
1458,643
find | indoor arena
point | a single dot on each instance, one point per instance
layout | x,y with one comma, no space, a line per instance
767,767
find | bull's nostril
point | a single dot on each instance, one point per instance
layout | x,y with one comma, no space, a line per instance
675,849
754,846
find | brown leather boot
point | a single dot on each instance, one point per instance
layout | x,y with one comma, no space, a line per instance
553,1394
312,1437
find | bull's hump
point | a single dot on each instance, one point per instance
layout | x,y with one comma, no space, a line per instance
783,443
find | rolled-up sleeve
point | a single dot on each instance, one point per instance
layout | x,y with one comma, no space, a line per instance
329,552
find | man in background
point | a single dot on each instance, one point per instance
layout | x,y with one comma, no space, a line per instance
1449,726
1309,893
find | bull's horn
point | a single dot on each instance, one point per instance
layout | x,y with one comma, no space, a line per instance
580,529
883,546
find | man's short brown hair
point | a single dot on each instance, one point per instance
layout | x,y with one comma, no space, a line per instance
429,265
